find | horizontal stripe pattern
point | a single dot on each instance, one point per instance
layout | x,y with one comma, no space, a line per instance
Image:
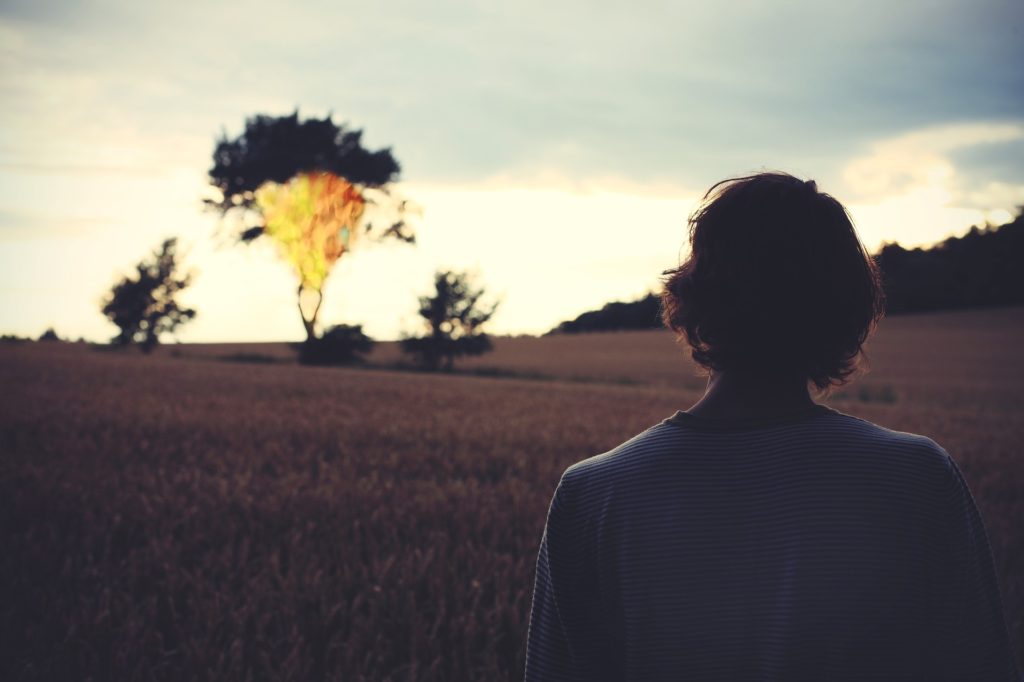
815,547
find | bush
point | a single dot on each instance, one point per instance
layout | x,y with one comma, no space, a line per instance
13,338
452,318
342,344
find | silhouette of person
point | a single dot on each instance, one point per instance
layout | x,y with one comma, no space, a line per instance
760,535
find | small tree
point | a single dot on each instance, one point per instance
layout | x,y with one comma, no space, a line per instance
144,305
453,317
307,185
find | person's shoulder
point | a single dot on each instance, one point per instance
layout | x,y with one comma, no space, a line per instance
624,456
860,426
886,440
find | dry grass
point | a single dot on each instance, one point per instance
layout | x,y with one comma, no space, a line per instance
177,518
953,359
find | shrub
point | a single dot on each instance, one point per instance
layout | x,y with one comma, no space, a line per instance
342,344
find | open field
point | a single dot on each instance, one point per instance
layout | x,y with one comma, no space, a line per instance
178,517
943,359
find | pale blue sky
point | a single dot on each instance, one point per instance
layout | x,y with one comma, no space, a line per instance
556,147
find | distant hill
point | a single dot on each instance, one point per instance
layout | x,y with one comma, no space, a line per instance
984,268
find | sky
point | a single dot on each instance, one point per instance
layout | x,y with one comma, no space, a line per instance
556,148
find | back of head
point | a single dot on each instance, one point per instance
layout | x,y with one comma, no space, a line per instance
777,282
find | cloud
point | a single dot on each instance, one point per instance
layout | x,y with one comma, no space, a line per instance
519,120
82,169
910,189
670,92
23,225
922,157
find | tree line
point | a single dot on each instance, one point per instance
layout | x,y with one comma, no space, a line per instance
983,268
980,269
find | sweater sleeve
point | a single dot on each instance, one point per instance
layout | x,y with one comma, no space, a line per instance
972,640
548,654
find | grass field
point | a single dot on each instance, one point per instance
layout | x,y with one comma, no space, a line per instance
183,517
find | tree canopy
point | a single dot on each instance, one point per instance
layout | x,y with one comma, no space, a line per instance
278,148
313,189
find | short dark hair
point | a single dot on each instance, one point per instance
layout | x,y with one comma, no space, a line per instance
776,282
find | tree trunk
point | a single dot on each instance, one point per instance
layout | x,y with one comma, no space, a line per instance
309,321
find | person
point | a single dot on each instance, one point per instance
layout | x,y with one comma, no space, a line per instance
760,535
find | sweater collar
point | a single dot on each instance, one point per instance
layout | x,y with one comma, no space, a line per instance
685,419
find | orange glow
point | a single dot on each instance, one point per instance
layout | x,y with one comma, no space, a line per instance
313,219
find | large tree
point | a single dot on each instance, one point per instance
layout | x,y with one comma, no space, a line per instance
313,189
144,305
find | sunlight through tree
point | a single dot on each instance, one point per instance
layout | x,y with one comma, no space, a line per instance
313,189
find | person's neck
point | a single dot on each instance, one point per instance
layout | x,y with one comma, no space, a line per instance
736,395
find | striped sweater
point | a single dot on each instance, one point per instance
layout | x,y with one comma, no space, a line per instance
817,546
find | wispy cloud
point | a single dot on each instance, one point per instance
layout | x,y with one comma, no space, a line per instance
659,91
16,225
922,157
910,188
